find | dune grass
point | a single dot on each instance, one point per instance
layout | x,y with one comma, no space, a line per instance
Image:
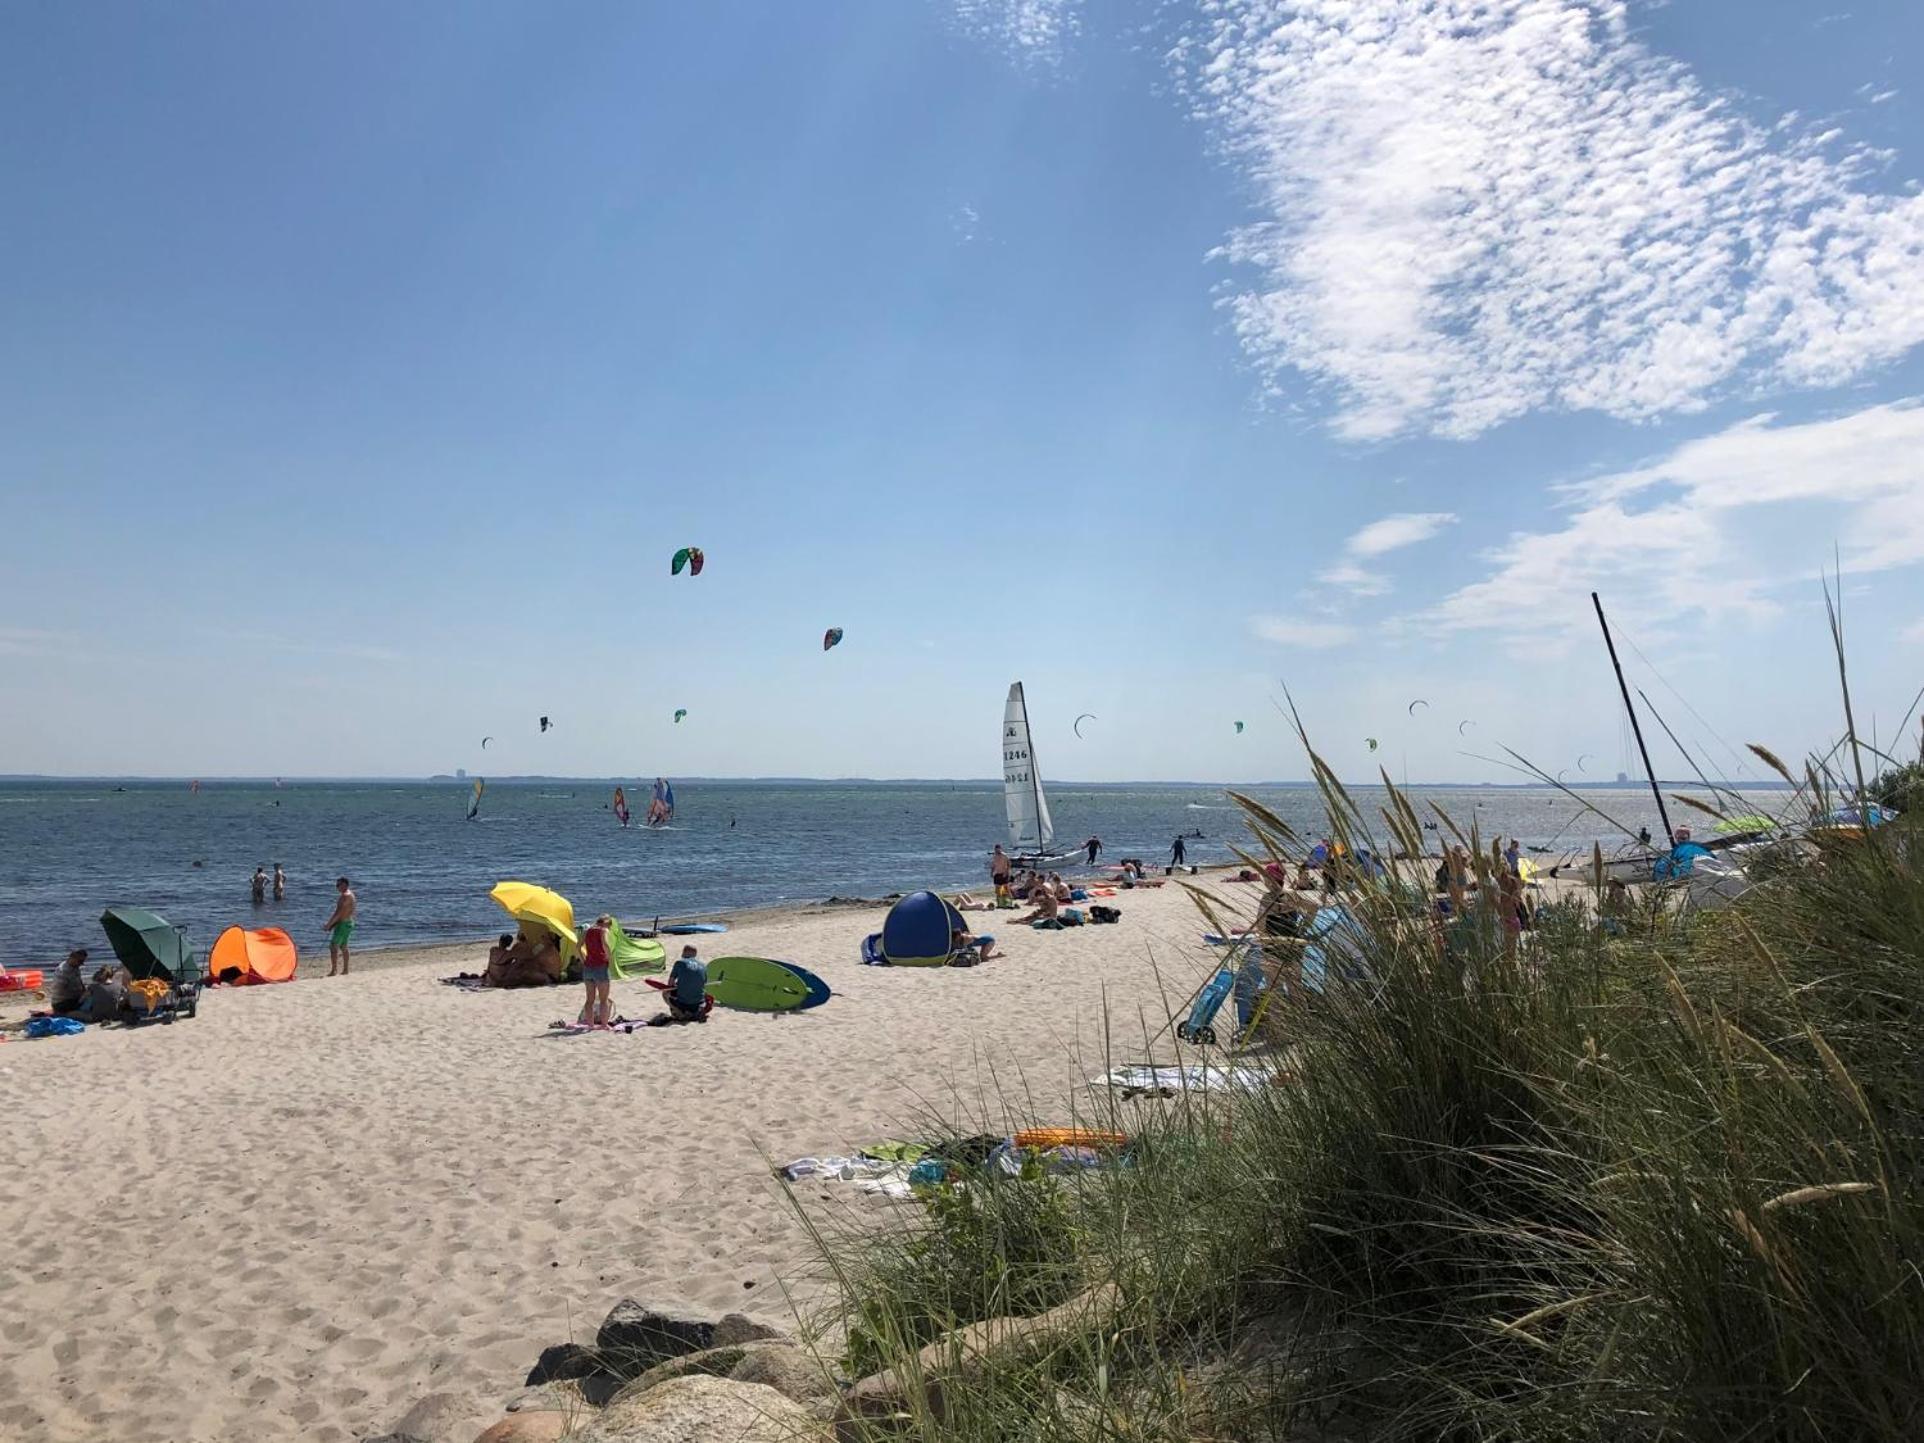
1658,1181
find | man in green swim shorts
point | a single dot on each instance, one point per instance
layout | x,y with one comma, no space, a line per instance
340,927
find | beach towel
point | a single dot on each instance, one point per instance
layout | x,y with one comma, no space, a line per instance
467,982
54,1026
1144,1080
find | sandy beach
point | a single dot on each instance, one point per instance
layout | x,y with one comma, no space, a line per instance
296,1213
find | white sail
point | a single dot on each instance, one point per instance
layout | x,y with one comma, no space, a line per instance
1030,827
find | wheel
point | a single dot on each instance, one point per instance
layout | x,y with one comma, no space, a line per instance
1182,1032
1206,1036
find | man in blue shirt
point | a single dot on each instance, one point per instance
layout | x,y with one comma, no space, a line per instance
687,986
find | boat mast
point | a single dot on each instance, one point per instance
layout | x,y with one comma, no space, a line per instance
1649,771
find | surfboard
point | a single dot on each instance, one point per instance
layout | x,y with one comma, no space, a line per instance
818,990
690,929
755,984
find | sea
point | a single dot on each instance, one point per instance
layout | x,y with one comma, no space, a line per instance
69,849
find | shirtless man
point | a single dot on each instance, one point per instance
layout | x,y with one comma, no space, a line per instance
340,927
259,885
280,883
999,869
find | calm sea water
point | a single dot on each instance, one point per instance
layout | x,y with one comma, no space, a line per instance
69,849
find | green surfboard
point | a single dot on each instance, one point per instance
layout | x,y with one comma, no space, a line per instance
755,984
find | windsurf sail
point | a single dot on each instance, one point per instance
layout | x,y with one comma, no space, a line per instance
621,806
661,806
1031,829
474,802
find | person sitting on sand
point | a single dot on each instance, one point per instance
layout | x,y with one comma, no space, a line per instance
1058,888
1046,908
67,989
498,961
687,987
106,996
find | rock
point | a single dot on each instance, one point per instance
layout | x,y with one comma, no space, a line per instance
790,1372
715,1362
560,1397
436,1418
529,1427
702,1409
634,1338
891,1395
563,1360
740,1328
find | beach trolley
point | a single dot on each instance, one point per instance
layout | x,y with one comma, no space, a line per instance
154,950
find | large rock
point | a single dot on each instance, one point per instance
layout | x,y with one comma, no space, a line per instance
895,1396
563,1360
702,1409
715,1362
530,1427
740,1328
634,1338
436,1418
790,1372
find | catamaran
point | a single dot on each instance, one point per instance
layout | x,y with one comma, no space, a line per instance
1032,832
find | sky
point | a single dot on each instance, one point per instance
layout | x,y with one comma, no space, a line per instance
362,366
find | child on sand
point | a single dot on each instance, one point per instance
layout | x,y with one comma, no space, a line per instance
596,1010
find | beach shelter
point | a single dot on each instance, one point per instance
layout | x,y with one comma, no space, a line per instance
148,945
526,902
245,956
919,931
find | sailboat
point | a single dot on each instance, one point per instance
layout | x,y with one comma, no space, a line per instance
1031,829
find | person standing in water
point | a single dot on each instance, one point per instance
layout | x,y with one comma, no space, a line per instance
280,883
259,885
340,927
1178,853
1094,844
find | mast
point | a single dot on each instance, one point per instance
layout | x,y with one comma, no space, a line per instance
1643,751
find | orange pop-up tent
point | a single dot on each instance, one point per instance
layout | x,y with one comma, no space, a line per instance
244,957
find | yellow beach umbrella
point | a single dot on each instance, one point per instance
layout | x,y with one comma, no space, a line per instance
526,902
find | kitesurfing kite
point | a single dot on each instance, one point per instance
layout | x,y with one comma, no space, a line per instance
832,637
1581,760
484,742
1076,726
1239,728
1464,726
689,556
621,805
1419,702
680,712
1371,741
545,724
474,802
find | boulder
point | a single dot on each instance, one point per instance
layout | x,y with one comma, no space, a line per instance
436,1418
702,1409
561,1397
634,1338
715,1362
790,1372
529,1427
740,1328
563,1360
897,1394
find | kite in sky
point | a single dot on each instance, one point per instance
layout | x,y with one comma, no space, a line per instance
1239,728
1076,726
1419,702
484,742
680,712
545,724
1464,726
690,557
1371,741
831,638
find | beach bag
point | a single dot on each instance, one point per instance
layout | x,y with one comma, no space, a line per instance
1071,917
1104,914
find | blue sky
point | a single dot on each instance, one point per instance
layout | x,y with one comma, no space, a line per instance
363,366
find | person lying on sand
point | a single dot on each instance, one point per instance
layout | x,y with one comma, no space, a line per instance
968,902
960,941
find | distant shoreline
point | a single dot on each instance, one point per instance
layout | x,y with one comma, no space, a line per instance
444,779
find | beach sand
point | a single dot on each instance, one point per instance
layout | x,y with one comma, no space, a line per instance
298,1212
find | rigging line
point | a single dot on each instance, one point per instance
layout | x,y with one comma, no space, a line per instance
1735,755
1715,790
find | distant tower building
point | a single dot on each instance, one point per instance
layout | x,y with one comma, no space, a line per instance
460,774
1623,778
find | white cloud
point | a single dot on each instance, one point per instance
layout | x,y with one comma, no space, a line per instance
1676,555
1291,631
29,641
1391,533
1030,31
1482,208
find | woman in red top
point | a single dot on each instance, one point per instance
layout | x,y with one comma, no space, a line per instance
597,1010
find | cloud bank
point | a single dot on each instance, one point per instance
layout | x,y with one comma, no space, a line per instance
1481,208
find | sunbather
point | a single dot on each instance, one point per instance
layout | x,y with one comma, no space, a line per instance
67,989
1046,908
960,942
